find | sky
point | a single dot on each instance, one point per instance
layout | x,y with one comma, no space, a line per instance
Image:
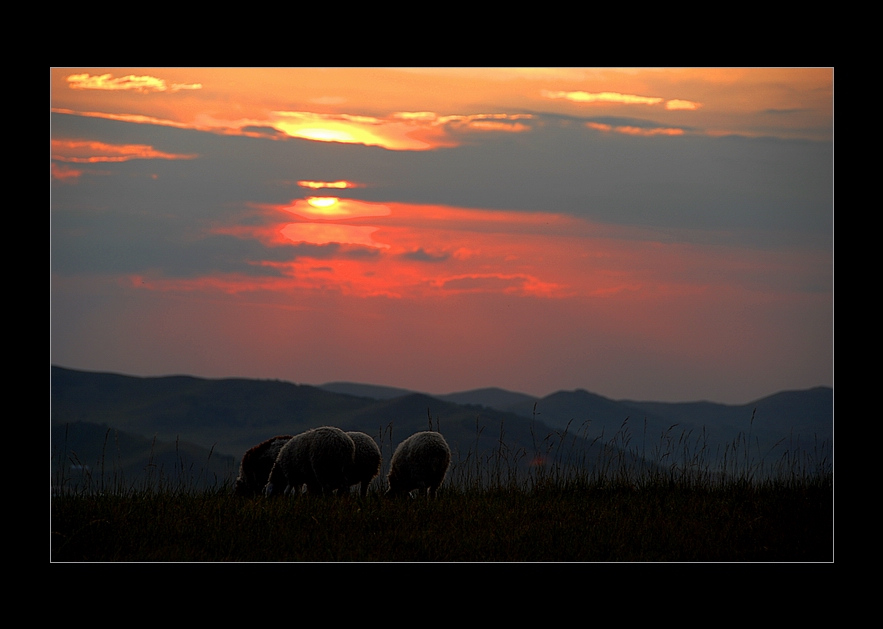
659,234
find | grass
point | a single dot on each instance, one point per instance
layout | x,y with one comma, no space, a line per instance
686,505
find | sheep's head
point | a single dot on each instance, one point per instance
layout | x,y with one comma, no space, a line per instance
240,488
397,489
393,493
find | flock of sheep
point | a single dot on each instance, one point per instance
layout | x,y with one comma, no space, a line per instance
327,459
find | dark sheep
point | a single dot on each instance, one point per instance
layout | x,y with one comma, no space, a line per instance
366,465
319,458
254,470
419,462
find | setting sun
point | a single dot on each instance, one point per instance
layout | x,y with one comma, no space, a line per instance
322,201
334,208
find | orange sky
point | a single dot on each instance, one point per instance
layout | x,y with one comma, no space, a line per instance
403,108
199,195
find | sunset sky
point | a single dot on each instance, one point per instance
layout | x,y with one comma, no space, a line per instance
653,234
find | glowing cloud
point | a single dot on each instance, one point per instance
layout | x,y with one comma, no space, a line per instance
631,130
130,82
474,122
140,119
327,233
497,283
494,125
621,99
83,151
603,97
421,116
404,250
318,185
682,104
64,173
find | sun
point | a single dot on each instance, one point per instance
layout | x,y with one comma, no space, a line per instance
322,202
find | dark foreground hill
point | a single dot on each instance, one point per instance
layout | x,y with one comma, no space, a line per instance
103,458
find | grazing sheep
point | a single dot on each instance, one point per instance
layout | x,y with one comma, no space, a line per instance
254,470
366,465
419,462
319,458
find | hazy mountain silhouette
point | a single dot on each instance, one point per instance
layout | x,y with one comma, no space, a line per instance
372,391
786,415
491,397
788,418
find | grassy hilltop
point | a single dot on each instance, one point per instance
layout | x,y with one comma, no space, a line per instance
517,489
486,511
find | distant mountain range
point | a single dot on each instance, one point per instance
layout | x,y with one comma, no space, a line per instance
807,415
491,397
207,424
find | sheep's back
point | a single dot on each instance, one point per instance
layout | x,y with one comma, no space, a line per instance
422,459
368,459
330,453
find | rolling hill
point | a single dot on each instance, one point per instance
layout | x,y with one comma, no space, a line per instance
485,427
791,417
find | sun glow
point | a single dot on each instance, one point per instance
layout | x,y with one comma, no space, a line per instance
334,208
321,135
348,129
403,250
401,131
407,251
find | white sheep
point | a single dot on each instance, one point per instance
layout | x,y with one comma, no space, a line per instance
254,470
419,462
366,465
319,458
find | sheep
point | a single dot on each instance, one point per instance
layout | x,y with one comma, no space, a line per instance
366,465
319,458
419,462
254,470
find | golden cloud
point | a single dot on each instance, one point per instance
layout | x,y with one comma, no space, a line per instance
621,99
88,152
632,130
602,97
682,104
317,185
131,82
